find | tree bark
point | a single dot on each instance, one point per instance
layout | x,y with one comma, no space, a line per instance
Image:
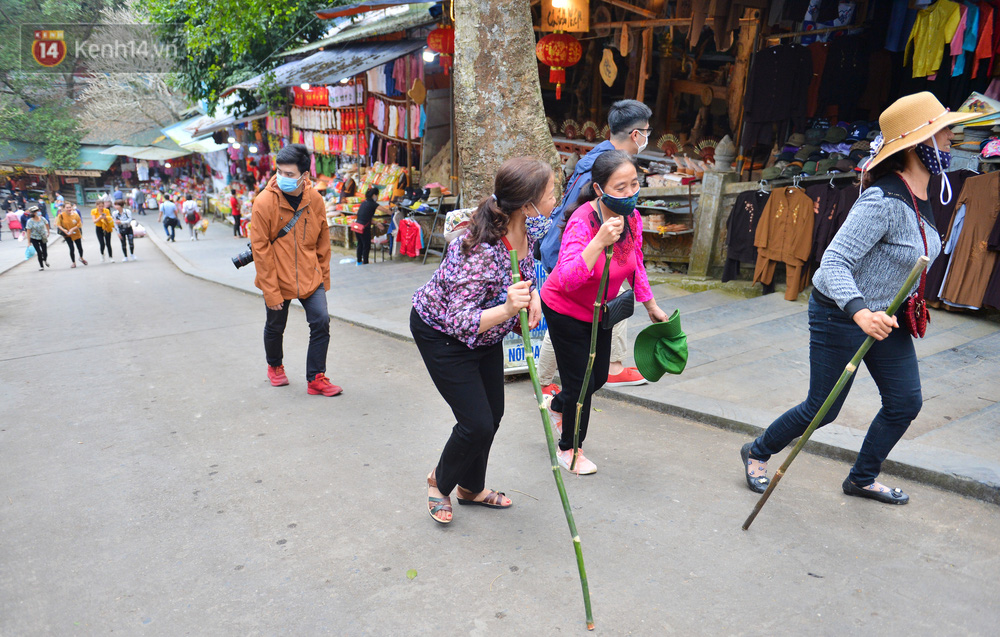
498,98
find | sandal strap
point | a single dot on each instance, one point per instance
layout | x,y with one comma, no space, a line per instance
440,504
495,498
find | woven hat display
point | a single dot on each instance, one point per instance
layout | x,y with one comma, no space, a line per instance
910,120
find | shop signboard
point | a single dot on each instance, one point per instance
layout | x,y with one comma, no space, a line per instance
78,173
514,359
566,15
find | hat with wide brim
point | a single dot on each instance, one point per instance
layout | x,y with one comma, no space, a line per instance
661,348
910,120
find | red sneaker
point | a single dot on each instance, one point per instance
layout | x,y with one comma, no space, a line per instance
322,385
628,376
277,375
551,389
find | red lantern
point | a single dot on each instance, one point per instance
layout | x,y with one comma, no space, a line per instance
558,50
442,41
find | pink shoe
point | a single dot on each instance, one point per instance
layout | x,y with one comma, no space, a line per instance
628,376
322,385
583,466
555,418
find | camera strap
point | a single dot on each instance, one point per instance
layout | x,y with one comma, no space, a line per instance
291,223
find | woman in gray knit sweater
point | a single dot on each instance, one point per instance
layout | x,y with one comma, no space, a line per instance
887,230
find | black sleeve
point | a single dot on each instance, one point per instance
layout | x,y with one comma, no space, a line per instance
366,211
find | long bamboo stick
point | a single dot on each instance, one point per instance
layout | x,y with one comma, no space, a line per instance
852,366
593,352
529,356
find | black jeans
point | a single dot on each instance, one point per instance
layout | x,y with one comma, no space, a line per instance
41,251
126,234
318,318
79,246
471,382
364,244
571,343
104,240
236,225
833,339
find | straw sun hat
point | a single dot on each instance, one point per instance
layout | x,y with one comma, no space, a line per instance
910,120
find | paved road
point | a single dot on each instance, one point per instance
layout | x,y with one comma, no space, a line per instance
152,483
748,363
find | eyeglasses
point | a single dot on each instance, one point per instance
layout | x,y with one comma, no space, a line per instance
645,131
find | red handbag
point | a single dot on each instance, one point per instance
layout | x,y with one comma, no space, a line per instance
914,315
358,228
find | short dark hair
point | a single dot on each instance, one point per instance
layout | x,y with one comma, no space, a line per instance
626,115
296,154
120,202
188,197
371,193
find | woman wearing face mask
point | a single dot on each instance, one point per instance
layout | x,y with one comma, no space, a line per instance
888,229
459,320
569,292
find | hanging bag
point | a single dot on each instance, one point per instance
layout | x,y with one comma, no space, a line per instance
914,314
622,306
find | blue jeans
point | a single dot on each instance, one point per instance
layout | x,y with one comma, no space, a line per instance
833,339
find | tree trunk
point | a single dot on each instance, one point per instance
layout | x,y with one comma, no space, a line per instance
498,98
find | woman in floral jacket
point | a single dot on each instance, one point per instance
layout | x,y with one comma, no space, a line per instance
462,314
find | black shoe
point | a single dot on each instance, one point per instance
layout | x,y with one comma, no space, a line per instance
894,496
758,484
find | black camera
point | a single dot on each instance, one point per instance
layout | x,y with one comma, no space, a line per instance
243,258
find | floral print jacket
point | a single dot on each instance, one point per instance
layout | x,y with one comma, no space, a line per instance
463,286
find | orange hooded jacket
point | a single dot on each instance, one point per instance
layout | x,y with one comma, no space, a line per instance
295,265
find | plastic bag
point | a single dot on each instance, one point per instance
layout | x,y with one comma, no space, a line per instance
29,253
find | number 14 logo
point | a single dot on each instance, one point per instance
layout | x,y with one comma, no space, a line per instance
48,49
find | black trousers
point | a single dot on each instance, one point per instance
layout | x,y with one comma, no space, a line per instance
236,225
126,234
79,247
318,318
364,244
571,343
104,239
41,251
471,382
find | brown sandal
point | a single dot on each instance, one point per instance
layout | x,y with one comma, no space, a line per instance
437,505
493,499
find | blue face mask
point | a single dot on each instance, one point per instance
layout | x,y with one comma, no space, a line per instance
620,205
537,226
287,184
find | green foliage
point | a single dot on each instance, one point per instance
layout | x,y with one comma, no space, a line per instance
224,42
35,107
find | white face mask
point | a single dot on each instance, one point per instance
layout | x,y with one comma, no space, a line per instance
645,141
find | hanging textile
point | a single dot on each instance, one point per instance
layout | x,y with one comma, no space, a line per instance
784,235
971,264
741,228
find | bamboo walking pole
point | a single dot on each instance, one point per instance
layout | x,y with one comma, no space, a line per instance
852,366
529,355
593,352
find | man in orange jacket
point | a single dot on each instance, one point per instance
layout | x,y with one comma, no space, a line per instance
294,266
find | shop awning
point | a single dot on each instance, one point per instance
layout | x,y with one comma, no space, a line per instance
358,8
146,152
416,15
16,154
332,65
225,122
182,136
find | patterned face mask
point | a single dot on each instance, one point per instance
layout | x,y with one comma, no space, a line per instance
936,161
538,225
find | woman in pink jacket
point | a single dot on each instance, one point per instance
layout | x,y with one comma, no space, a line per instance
568,294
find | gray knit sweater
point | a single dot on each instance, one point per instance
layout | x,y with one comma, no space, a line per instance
875,249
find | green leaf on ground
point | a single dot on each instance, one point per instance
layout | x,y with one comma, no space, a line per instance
412,573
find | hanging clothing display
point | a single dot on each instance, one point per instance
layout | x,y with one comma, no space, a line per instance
784,235
935,27
971,264
741,228
943,214
777,91
992,296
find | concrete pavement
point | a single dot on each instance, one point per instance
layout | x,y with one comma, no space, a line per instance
748,363
153,483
